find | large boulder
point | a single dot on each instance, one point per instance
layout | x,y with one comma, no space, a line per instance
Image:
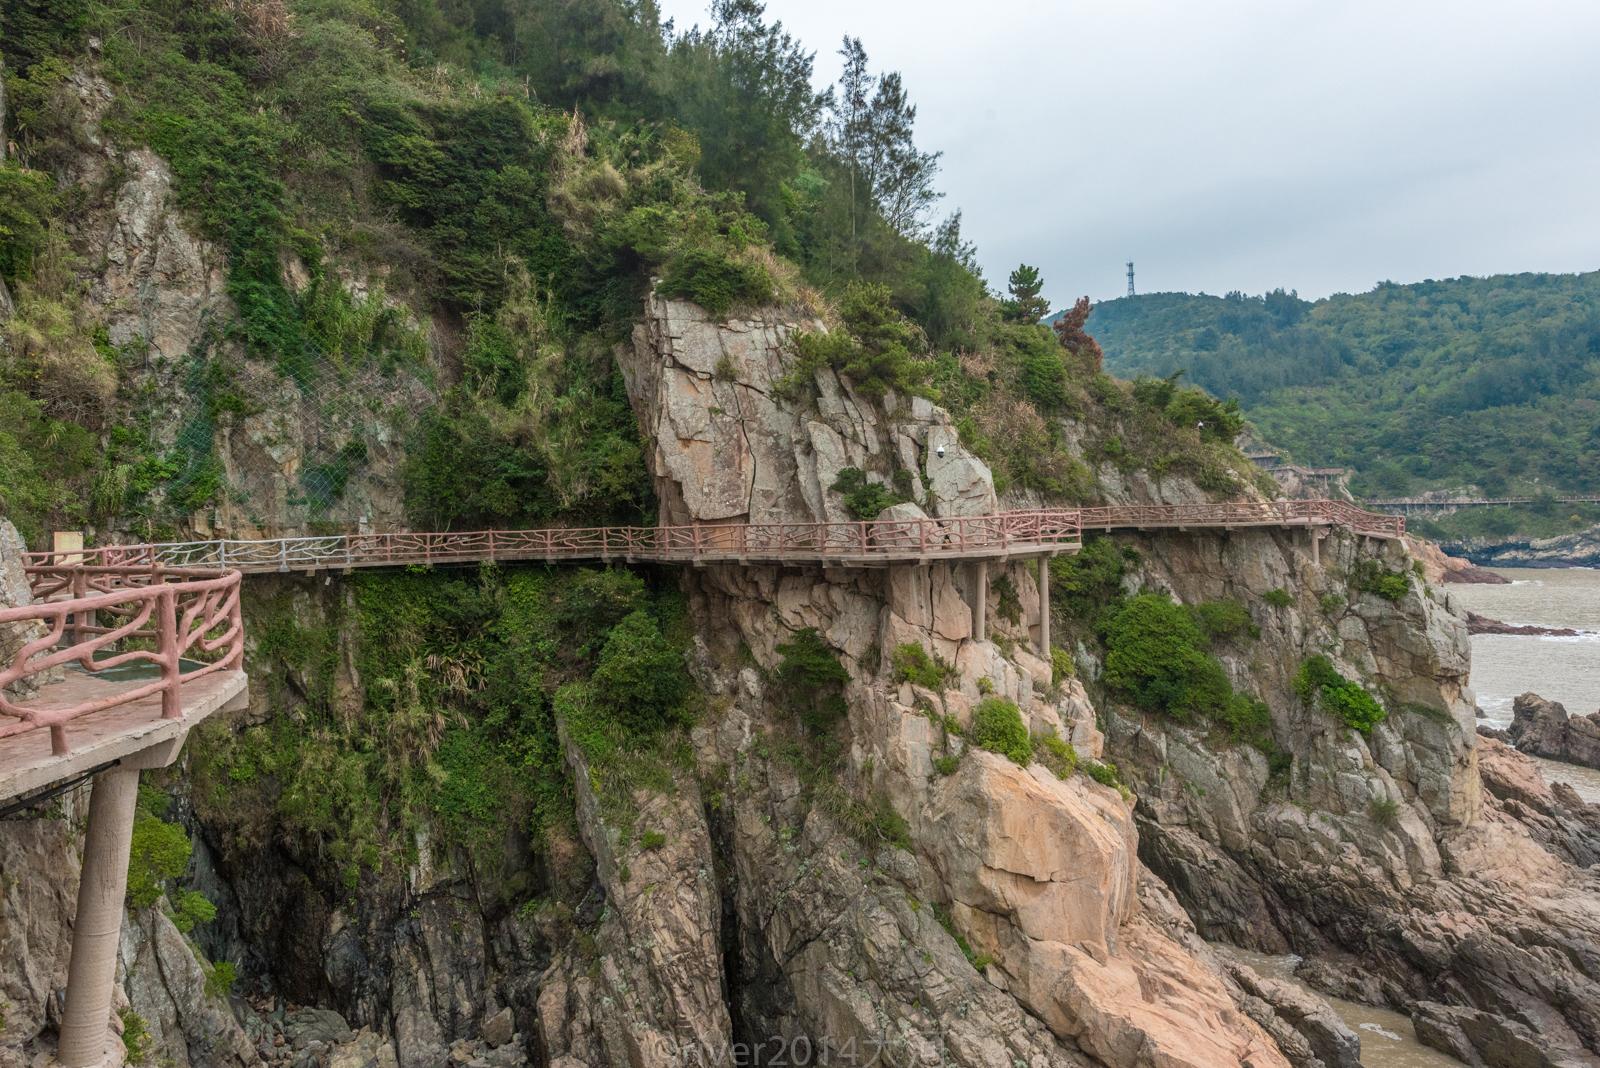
1544,728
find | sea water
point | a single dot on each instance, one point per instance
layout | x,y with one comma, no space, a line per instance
1564,669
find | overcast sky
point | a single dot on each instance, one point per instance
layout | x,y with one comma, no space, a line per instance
1320,146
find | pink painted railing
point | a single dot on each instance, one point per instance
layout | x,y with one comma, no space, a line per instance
859,541
186,622
1289,513
850,542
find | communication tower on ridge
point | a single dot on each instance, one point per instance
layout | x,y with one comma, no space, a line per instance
1130,278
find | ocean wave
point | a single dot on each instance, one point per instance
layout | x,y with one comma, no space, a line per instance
1581,636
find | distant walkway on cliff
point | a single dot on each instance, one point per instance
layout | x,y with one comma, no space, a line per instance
1427,504
862,543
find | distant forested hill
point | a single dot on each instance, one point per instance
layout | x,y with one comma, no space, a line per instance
1493,381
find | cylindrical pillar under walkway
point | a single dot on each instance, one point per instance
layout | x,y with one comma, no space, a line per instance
1044,607
980,600
98,928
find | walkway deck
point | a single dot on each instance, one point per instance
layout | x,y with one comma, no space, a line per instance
27,762
851,544
113,662
174,633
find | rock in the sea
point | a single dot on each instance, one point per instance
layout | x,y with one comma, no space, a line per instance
1486,1040
1328,1039
1477,624
1544,728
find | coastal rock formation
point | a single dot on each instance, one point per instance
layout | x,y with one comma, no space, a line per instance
1544,728
1439,566
1477,624
1380,855
1031,877
1579,549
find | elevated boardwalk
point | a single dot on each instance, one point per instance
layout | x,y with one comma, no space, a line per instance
1425,504
868,543
126,647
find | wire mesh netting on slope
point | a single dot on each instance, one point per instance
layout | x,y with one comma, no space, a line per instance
256,448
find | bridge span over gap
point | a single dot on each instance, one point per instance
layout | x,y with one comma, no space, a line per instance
126,647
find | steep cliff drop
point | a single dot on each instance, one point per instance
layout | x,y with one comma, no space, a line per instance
992,911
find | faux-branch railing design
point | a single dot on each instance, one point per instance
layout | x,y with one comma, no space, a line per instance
863,541
174,602
166,617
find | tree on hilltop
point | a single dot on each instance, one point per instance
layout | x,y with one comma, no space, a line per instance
1025,305
1073,337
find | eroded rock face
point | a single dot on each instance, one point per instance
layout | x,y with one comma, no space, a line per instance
38,897
14,593
1385,846
649,993
854,938
1545,729
318,453
728,447
166,987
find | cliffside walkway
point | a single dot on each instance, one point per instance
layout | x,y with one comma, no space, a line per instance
1423,504
125,647
859,544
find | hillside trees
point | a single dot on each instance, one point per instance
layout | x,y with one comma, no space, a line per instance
1491,382
870,127
1025,305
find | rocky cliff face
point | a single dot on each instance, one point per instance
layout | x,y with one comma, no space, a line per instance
298,452
1376,854
1035,876
903,891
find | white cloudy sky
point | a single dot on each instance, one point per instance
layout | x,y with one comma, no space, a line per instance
1321,145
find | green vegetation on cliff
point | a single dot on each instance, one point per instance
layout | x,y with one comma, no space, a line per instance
1469,381
454,728
418,193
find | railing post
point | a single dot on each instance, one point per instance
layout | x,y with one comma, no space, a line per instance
283,555
167,640
236,624
80,590
863,536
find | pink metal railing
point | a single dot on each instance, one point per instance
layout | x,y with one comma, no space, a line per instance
166,617
1245,514
847,542
887,539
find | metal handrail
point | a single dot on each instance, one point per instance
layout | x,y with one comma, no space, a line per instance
181,613
820,542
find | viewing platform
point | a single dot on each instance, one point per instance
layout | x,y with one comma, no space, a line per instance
112,661
108,670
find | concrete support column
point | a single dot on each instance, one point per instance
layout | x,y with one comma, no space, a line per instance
980,600
1044,607
98,927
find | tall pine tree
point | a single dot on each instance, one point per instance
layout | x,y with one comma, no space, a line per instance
1025,305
